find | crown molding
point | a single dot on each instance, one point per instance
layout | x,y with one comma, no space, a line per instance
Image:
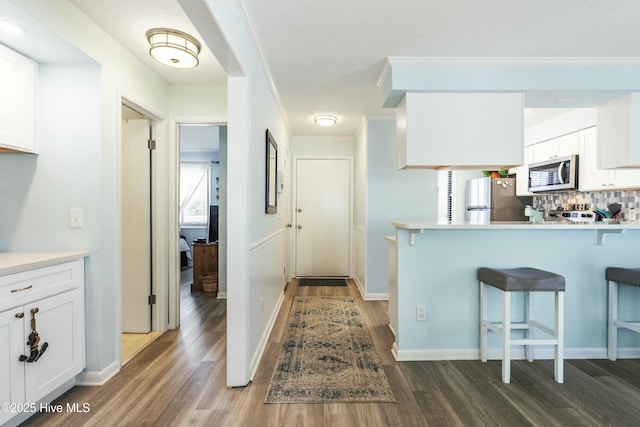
253,35
508,61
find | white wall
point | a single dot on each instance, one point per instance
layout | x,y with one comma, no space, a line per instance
256,249
322,146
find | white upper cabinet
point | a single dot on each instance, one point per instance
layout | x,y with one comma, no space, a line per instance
522,173
591,178
557,147
619,132
481,130
17,102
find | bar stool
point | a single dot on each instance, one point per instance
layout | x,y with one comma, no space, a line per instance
525,280
619,276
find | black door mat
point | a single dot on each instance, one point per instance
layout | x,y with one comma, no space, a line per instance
311,281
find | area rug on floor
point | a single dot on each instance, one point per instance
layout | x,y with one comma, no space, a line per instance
327,356
312,281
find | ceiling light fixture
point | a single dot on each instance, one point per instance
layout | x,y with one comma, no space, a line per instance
173,48
13,29
325,120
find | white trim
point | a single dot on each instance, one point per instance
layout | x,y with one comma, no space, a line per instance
379,296
255,246
157,123
222,295
505,61
173,218
98,378
496,354
262,345
386,70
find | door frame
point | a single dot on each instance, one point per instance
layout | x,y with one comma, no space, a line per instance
158,126
294,203
173,208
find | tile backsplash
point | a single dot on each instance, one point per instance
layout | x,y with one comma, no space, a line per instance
589,200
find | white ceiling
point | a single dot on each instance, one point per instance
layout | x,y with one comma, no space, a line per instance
326,57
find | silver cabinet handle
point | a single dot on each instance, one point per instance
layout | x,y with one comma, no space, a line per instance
299,227
289,225
21,289
299,210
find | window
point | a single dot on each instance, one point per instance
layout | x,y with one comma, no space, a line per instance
445,197
194,194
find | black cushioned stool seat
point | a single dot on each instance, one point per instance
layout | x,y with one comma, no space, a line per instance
619,276
521,279
526,280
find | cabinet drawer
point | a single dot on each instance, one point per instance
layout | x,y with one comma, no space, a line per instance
22,288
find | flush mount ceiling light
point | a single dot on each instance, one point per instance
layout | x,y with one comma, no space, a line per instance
173,48
325,120
10,28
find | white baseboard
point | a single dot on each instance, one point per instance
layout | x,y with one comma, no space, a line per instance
222,295
369,297
376,297
98,378
516,354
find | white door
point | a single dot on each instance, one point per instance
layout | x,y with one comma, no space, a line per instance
136,241
322,217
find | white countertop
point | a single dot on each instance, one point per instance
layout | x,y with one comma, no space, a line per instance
512,225
13,262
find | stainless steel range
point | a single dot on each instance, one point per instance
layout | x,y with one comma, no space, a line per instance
572,216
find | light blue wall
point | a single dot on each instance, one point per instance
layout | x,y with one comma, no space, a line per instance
391,195
440,272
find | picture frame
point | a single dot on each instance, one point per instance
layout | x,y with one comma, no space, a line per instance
271,168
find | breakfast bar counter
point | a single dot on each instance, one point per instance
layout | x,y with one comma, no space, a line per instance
435,267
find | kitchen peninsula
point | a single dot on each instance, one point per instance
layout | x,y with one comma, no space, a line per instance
433,273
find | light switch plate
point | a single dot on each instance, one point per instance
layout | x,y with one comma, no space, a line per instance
421,312
75,218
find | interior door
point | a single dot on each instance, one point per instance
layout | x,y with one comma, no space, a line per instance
136,235
322,217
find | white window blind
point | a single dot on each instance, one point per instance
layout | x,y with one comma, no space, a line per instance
194,193
445,196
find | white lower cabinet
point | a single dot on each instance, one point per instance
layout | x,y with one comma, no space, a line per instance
54,296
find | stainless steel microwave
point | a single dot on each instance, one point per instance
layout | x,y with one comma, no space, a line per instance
556,174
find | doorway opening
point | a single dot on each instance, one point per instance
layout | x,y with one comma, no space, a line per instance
137,293
201,199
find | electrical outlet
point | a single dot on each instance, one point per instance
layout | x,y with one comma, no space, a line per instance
421,312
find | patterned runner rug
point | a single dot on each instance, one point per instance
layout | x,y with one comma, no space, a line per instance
327,356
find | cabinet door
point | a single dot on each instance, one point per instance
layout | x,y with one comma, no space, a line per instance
590,177
557,147
545,150
625,178
11,369
460,129
17,103
60,323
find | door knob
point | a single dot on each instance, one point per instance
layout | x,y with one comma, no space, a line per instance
299,210
299,227
289,225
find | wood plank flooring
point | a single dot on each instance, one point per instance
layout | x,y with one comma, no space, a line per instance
179,380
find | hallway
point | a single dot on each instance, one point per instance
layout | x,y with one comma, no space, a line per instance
180,380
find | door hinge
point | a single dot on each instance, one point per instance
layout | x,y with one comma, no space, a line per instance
151,144
152,299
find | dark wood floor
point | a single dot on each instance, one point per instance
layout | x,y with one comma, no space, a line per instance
180,380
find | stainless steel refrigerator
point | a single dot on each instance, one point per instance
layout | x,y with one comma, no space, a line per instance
494,199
